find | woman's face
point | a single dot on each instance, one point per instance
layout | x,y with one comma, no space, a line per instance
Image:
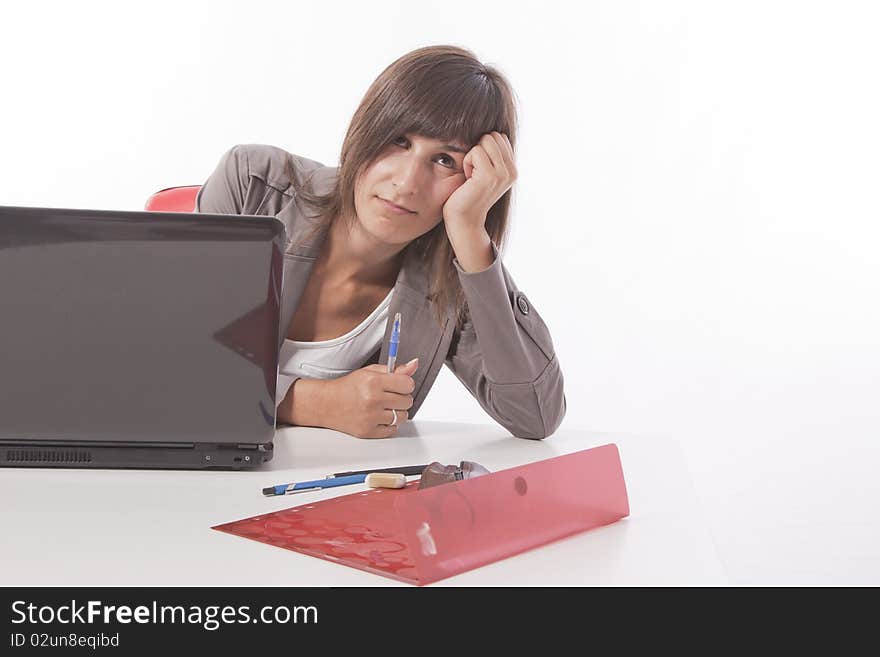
416,173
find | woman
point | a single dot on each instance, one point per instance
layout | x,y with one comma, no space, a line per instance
410,222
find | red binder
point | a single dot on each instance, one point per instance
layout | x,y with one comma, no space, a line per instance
421,536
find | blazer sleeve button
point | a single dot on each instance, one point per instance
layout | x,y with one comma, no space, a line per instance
522,303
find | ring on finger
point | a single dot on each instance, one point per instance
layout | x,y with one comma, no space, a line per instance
394,421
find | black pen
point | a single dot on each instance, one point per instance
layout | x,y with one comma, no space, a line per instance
407,470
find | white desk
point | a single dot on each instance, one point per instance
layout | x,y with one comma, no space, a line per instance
141,527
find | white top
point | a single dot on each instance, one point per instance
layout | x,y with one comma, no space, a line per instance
329,359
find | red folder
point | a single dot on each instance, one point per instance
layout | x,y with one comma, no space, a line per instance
421,536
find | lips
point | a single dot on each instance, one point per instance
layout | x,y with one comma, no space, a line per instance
397,209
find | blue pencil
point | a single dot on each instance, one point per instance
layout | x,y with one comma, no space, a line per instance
317,484
393,342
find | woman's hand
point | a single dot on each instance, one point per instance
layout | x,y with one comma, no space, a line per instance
490,171
360,403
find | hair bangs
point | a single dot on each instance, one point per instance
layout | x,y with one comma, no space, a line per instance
460,111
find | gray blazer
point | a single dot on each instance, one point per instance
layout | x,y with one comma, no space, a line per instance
503,354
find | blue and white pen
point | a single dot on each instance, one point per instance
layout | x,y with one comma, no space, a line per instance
395,340
317,484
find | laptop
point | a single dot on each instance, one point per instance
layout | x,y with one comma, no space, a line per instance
138,339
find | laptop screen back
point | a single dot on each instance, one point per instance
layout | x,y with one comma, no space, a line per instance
138,326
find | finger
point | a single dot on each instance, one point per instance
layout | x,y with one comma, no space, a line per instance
407,368
396,401
482,162
386,430
381,431
493,150
398,383
467,164
509,155
388,417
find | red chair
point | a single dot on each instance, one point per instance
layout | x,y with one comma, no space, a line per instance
174,199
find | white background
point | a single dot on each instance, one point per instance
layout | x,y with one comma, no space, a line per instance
696,215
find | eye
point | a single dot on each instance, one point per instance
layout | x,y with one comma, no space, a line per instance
403,142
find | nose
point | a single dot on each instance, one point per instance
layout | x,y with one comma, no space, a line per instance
407,176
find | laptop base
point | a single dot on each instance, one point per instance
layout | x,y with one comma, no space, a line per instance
177,456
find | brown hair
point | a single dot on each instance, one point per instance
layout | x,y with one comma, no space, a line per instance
439,92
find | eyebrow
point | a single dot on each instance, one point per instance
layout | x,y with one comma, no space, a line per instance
451,147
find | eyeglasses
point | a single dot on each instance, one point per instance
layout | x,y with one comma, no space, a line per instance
436,473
